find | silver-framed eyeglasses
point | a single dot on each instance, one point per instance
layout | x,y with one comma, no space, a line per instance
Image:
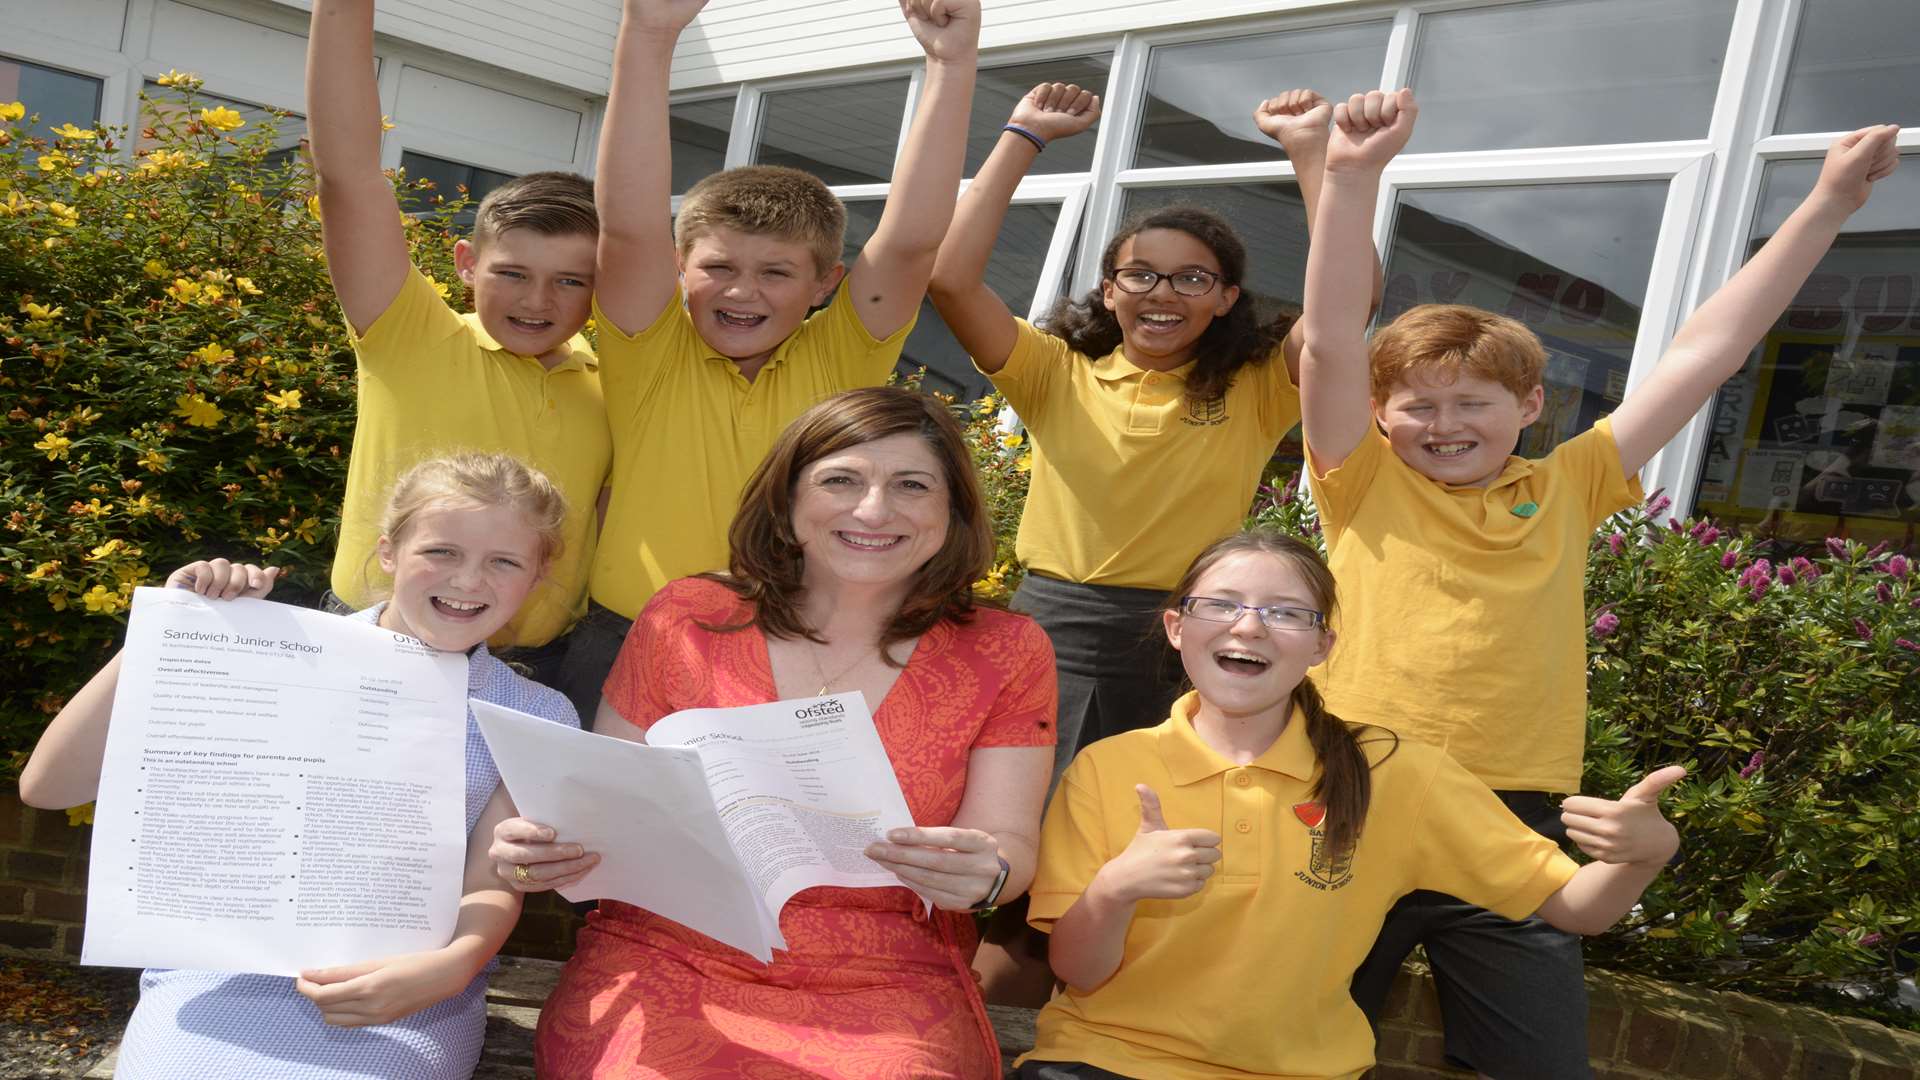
1273,616
1138,279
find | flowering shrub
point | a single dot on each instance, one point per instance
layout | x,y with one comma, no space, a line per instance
1005,461
176,377
1790,688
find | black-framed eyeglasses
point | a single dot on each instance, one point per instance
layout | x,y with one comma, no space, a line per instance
1138,279
1273,616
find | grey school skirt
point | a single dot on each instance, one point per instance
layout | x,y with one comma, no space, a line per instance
1117,672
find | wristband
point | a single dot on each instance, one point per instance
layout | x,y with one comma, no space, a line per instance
1039,143
999,883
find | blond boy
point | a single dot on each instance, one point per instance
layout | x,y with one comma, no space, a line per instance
704,325
514,376
1462,565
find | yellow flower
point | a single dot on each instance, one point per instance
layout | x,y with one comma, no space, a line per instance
285,400
85,416
152,461
438,287
63,215
58,601
308,530
139,507
270,539
41,313
313,207
216,276
12,110
246,285
212,353
80,815
197,410
54,445
102,601
1011,441
52,161
386,123
42,570
222,119
107,550
186,80
68,131
156,270
93,508
1024,462
183,290
168,159
16,205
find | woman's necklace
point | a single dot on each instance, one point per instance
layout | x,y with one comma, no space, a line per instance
813,654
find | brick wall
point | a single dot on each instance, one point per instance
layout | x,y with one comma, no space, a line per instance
1644,1029
43,878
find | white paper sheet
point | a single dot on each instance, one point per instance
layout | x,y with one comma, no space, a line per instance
722,818
282,789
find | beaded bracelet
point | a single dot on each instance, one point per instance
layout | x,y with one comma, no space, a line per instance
1039,143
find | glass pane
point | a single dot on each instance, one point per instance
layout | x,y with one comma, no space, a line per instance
1200,97
698,131
1271,221
1568,73
58,97
1570,261
1819,435
1855,62
448,178
164,104
843,134
1013,273
1000,88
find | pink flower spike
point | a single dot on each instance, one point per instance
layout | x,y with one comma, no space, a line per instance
1906,644
1731,559
1861,630
1709,536
1605,625
1760,585
1805,569
1758,759
1836,547
1657,504
1875,551
1617,543
1897,567
1882,593
1785,574
1869,941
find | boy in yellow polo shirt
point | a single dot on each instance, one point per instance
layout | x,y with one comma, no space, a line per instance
1254,840
704,326
513,377
1464,564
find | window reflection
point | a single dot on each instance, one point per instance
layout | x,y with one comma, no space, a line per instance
1855,62
844,134
1570,261
697,132
1013,273
1819,434
448,178
59,97
1568,73
1001,88
1200,97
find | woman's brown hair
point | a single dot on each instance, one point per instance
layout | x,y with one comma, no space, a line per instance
766,562
1345,786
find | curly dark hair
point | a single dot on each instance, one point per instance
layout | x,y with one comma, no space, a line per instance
1229,342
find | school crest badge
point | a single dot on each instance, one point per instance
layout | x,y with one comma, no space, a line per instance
1325,871
1206,413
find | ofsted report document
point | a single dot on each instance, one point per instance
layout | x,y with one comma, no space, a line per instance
283,789
721,816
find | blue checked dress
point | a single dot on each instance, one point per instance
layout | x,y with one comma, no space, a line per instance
211,1025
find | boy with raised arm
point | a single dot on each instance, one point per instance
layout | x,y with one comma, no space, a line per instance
513,377
703,321
1463,565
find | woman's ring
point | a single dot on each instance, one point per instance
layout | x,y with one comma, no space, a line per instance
522,874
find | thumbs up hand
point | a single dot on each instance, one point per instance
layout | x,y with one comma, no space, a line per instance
1627,830
1160,863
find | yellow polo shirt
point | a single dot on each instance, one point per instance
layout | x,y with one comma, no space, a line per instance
1249,977
1130,477
689,429
432,382
1463,612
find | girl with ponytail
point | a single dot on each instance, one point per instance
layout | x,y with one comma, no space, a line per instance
1245,851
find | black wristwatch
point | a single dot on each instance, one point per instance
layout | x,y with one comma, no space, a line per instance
999,883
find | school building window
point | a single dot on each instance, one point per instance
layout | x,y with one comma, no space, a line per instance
698,133
999,89
163,107
1855,62
450,180
844,134
55,97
